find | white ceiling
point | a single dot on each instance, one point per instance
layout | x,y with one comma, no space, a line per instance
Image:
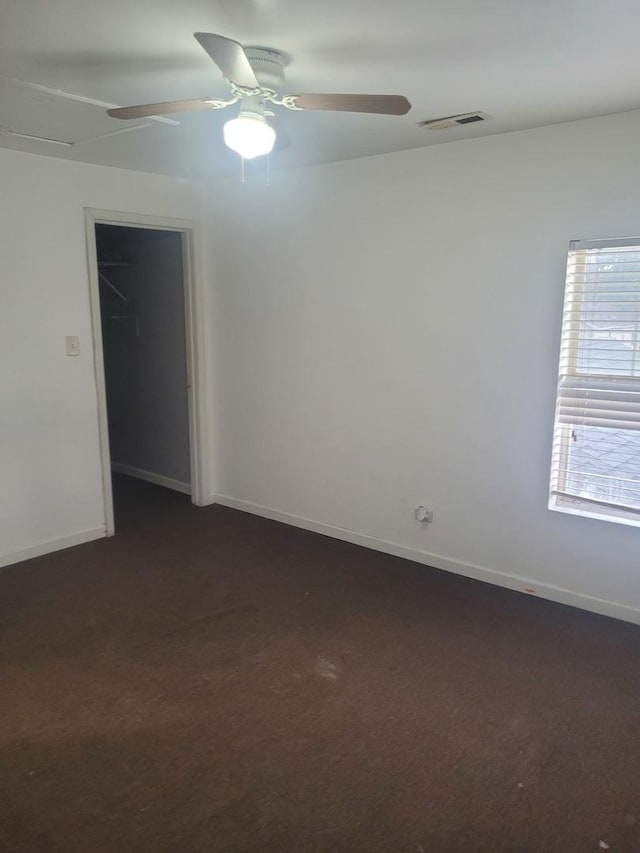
526,64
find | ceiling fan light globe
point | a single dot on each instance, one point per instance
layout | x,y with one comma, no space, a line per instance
249,136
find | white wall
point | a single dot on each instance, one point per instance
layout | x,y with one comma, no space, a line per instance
388,330
146,356
50,472
386,334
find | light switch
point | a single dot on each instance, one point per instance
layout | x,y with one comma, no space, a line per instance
73,345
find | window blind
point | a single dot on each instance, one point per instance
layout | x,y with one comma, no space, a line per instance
596,449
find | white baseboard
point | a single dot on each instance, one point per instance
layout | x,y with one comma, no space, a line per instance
150,477
437,561
50,545
207,500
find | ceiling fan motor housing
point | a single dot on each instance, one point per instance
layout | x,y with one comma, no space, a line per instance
268,66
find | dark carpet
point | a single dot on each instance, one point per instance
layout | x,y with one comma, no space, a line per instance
209,681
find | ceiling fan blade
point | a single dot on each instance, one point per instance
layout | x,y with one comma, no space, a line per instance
230,58
393,105
143,110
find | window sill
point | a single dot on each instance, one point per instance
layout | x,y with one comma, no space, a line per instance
588,509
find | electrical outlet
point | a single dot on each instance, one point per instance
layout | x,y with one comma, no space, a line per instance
423,514
73,345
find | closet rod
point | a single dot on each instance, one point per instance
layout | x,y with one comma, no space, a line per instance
112,286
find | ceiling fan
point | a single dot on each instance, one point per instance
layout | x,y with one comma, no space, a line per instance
255,75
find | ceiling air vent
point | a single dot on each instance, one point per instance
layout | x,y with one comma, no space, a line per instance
453,121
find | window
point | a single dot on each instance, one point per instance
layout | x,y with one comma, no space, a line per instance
595,468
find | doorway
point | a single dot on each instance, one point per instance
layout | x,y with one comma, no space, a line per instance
143,295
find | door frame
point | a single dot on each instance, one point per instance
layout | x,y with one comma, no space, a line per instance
194,338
